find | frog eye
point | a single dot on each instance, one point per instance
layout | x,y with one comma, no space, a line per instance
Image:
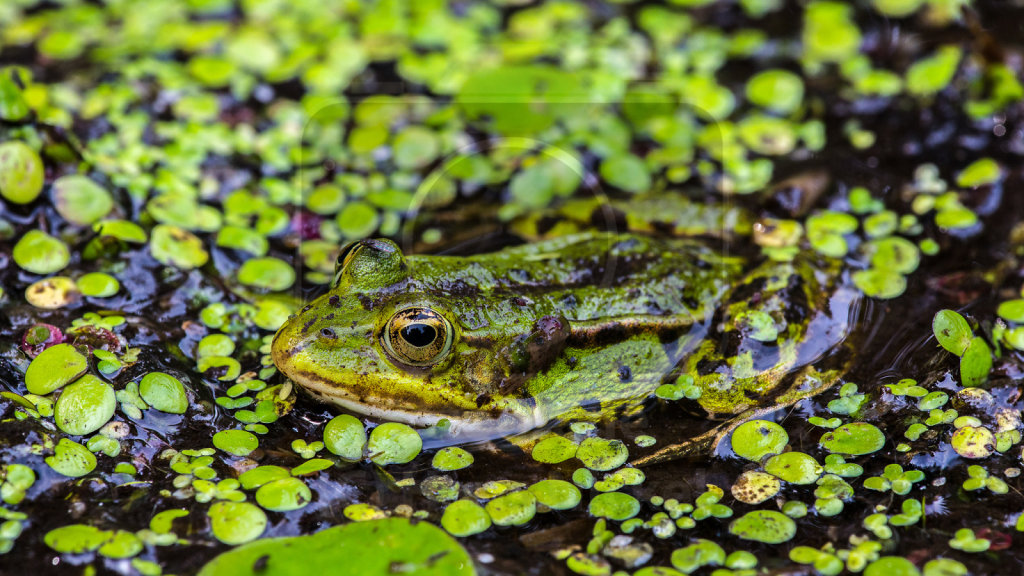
347,253
417,336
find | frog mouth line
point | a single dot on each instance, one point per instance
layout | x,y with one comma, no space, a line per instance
466,426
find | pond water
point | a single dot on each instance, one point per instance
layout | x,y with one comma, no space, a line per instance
178,177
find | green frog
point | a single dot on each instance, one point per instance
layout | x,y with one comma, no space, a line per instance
580,327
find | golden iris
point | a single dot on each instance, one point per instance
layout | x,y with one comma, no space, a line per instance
417,336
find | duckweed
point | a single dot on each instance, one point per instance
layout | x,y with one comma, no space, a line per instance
556,494
81,201
627,172
794,467
345,436
40,253
854,439
601,455
71,459
440,488
766,526
451,458
175,246
84,406
974,442
895,479
614,506
583,478
754,487
283,495
52,293
236,523
952,331
164,393
53,368
267,273
697,555
312,466
979,478
256,477
363,512
76,538
15,480
981,172
236,442
21,172
776,90
554,449
965,539
210,127
393,443
976,362
513,509
756,439
465,518
215,345
98,285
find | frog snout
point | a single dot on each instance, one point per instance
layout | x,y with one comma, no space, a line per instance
288,341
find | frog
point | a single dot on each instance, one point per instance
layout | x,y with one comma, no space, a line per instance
585,326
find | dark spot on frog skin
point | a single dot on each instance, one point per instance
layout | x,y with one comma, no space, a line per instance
334,301
329,316
260,564
306,308
309,323
459,288
366,302
625,374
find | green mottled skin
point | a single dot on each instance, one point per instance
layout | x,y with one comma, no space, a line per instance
630,311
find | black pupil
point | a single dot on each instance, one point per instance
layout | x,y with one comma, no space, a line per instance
419,335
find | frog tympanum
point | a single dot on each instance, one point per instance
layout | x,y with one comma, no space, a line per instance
579,327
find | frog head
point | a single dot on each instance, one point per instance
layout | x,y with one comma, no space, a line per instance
379,343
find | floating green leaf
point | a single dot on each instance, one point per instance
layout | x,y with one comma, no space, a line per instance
84,406
855,438
614,506
952,331
71,459
756,439
40,253
373,548
345,436
393,443
236,522
53,368
81,201
465,518
766,526
21,172
164,392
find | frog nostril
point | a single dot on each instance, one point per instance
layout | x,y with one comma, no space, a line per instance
327,333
